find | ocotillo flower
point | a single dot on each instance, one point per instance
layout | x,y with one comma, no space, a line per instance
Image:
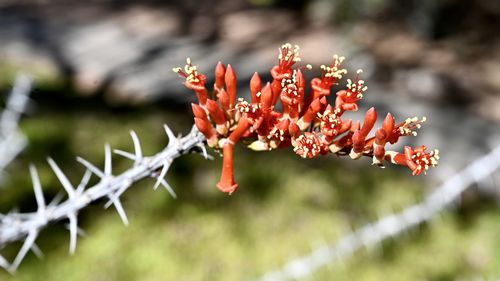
305,122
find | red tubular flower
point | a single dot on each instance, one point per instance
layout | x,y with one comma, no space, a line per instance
309,124
215,112
194,80
378,147
406,128
266,98
311,113
369,122
251,112
331,124
347,99
342,144
220,72
242,126
278,133
388,124
255,87
217,116
206,129
381,137
224,101
418,160
230,79
359,136
358,144
292,94
308,145
226,183
288,56
329,77
294,130
198,111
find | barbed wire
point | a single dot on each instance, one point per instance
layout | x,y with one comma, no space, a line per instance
12,141
391,225
27,226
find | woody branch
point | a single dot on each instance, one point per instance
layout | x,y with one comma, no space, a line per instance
27,226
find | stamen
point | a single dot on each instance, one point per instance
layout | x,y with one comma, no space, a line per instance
356,88
308,145
190,72
334,71
410,125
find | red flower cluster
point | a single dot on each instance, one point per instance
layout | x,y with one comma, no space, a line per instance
307,122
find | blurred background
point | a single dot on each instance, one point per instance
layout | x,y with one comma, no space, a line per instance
103,67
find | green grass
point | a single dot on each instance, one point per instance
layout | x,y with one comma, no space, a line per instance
285,207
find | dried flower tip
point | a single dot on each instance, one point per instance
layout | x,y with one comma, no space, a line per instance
190,72
308,145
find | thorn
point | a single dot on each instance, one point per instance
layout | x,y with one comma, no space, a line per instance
62,178
91,167
137,146
125,154
73,231
56,200
37,187
36,250
107,160
170,135
117,194
4,263
84,181
167,186
121,211
163,172
28,243
204,151
79,231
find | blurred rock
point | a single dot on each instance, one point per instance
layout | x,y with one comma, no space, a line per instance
421,83
256,27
